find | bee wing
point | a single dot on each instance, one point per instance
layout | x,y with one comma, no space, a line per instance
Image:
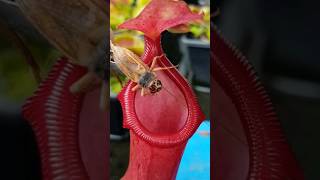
128,62
127,71
135,59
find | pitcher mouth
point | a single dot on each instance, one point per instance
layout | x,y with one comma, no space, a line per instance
132,122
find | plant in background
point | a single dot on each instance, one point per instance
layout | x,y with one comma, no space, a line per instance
120,11
15,75
201,30
115,85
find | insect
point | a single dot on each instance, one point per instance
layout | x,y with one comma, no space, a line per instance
136,70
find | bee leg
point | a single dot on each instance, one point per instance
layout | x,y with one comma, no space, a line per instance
142,92
164,68
147,92
154,61
136,87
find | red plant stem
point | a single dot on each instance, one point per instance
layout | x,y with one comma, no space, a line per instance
53,113
152,48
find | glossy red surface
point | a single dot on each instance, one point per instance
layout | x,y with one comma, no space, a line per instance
159,16
53,113
71,141
181,109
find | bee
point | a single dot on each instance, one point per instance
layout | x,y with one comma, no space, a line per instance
136,70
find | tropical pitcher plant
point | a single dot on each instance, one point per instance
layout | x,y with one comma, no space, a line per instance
161,118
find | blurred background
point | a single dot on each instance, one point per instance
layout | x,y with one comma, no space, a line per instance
20,44
281,40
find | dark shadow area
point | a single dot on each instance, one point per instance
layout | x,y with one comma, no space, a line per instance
19,153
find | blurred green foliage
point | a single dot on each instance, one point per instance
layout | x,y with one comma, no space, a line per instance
120,11
201,30
16,78
116,83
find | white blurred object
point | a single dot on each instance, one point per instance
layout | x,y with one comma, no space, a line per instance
204,2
